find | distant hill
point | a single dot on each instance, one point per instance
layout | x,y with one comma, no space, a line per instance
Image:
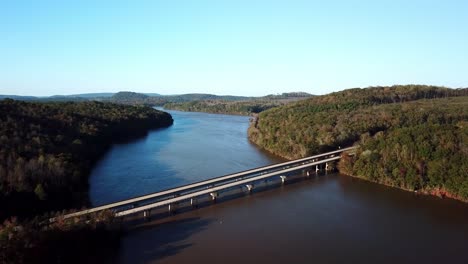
60,98
128,96
92,95
54,98
200,96
159,100
133,98
237,105
245,107
18,97
152,94
289,95
155,99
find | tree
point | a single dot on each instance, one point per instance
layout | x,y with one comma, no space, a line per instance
40,192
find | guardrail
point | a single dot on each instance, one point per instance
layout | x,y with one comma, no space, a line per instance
214,183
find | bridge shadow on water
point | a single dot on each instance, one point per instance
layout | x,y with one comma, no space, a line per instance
163,234
156,240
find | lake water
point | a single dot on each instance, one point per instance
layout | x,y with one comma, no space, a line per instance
196,147
324,219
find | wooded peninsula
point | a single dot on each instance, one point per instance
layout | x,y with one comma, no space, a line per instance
412,137
241,106
48,149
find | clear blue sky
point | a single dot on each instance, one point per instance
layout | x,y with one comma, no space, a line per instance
229,47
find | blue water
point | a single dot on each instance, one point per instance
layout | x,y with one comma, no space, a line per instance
196,147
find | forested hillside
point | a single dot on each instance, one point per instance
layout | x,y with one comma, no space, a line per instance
47,149
224,107
242,107
431,157
378,118
159,100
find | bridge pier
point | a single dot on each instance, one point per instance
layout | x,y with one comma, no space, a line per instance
172,208
179,196
193,202
214,195
283,179
146,214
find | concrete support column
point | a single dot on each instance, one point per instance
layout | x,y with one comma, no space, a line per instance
213,195
307,173
249,187
146,214
327,167
193,202
172,208
317,168
283,179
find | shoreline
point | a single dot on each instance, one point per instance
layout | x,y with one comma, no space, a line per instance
439,193
435,192
214,113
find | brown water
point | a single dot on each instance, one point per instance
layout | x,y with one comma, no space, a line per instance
325,219
329,219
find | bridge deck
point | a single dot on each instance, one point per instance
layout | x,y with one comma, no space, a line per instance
219,188
211,185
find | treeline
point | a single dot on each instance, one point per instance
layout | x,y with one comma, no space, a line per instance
349,117
64,241
288,95
224,107
48,149
338,119
249,106
430,157
133,98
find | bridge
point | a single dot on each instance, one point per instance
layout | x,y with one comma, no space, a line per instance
213,187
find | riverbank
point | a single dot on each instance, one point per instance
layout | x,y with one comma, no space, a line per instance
243,108
412,137
427,191
48,150
64,241
311,219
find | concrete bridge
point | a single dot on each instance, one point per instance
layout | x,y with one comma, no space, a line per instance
213,187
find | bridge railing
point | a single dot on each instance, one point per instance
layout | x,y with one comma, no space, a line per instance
189,189
220,187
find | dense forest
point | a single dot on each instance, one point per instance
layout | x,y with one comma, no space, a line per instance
412,136
196,102
47,149
243,107
430,157
224,107
133,98
64,241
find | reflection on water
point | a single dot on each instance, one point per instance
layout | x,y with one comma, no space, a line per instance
329,219
325,219
198,146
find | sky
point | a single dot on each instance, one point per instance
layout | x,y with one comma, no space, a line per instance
238,47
